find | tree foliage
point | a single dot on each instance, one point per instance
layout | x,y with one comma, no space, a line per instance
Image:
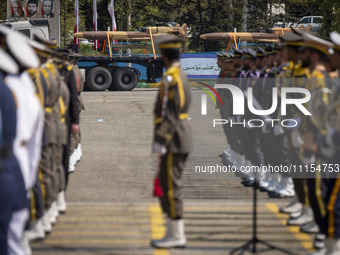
201,16
3,10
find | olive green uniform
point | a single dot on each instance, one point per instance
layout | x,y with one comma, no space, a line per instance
75,138
173,131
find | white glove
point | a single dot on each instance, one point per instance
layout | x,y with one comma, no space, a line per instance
158,148
264,129
297,141
278,130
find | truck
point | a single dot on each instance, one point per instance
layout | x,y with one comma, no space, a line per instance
314,21
102,73
31,27
99,73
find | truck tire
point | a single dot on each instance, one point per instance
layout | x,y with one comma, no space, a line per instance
125,79
99,79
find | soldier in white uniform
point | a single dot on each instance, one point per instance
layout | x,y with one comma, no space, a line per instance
30,121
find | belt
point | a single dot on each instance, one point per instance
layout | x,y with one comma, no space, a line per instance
182,116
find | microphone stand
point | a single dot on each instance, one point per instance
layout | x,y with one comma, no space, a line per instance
251,244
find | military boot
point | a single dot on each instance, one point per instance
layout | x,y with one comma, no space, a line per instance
310,228
274,184
53,213
175,236
36,232
46,224
306,216
294,206
26,244
333,246
239,162
319,241
61,203
264,184
286,188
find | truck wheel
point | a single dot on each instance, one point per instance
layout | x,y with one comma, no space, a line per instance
99,79
125,79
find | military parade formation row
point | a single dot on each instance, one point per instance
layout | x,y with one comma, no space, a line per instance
300,60
40,103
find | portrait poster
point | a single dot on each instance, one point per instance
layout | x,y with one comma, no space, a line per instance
33,9
17,9
47,9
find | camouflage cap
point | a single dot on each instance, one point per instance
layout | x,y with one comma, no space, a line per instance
335,38
169,41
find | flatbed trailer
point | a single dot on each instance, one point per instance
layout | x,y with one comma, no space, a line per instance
102,73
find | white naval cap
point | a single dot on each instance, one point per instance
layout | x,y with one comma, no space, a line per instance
7,64
335,38
19,48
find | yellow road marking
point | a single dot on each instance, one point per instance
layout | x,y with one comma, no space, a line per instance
305,239
114,208
94,241
157,227
106,213
101,219
96,233
225,209
62,225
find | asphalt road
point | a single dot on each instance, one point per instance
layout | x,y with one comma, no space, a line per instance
110,205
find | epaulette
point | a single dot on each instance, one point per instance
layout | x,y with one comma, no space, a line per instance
171,74
300,71
50,66
290,65
35,76
317,74
44,72
32,72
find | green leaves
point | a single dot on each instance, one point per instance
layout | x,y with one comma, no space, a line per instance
202,16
